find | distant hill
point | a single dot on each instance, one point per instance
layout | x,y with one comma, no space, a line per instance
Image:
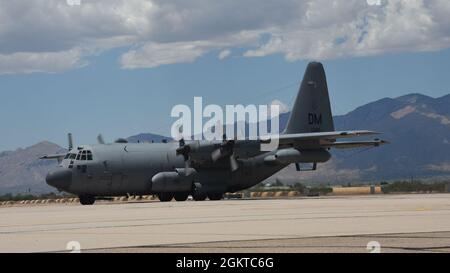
21,171
417,126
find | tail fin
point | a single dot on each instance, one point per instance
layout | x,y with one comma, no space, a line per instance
311,111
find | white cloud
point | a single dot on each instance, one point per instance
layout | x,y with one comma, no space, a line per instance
283,108
50,62
224,54
49,35
155,54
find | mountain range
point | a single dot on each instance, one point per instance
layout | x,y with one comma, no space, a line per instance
417,127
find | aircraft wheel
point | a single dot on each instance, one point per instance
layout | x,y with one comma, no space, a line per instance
87,200
181,196
199,197
165,196
215,196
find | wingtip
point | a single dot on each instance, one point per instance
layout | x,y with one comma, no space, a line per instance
381,141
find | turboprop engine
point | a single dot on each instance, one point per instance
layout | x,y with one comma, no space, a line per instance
180,180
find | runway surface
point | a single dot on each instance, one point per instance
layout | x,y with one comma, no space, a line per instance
399,223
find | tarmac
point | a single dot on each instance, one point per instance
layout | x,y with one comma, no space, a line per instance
389,223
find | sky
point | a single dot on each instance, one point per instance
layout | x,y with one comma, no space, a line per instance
118,67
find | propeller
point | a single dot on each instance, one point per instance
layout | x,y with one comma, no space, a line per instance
184,150
226,149
70,140
100,139
234,165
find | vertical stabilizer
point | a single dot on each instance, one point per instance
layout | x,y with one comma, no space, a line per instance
311,111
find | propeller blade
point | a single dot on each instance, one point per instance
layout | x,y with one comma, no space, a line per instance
233,163
100,139
180,133
187,167
184,150
225,149
219,129
70,140
216,155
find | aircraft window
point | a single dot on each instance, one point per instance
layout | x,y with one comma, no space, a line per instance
67,156
83,157
72,156
89,155
84,152
78,156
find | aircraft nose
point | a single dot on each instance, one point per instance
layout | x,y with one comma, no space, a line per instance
60,179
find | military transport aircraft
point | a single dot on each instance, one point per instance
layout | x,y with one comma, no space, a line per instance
205,169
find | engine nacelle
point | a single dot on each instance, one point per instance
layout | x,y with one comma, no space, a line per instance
201,151
292,155
176,181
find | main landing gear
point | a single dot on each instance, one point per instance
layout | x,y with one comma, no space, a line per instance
87,199
199,196
215,196
165,196
183,196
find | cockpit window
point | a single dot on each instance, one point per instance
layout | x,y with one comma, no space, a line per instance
83,155
72,156
67,156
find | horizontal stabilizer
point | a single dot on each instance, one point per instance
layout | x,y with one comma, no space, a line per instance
320,139
286,138
356,144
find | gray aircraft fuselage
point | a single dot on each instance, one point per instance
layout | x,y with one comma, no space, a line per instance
119,169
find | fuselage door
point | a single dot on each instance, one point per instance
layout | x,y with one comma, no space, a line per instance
112,176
